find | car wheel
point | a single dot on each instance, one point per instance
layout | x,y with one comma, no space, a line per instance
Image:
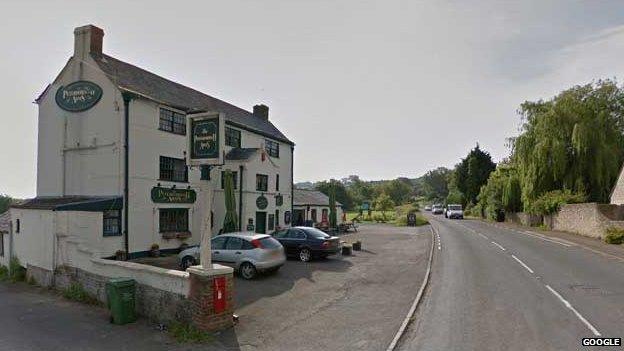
247,270
305,255
187,261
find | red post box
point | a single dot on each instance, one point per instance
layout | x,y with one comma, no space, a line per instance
219,294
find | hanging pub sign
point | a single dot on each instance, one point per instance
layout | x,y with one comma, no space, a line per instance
173,196
206,138
262,202
78,96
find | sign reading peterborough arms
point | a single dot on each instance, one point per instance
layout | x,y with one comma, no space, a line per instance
78,96
206,139
173,196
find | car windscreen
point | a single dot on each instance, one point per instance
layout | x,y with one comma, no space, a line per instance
315,233
455,207
270,243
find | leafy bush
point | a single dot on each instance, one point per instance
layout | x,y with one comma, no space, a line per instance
552,201
75,292
4,273
614,235
18,273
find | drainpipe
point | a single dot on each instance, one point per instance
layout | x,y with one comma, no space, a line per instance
240,198
292,186
126,99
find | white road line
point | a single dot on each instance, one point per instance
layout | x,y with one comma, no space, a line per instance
545,239
523,264
483,236
568,305
499,246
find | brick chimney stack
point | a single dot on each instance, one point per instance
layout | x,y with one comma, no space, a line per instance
87,39
261,111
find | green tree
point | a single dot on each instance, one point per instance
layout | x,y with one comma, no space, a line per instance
435,184
383,203
5,202
473,172
339,189
399,190
512,193
572,142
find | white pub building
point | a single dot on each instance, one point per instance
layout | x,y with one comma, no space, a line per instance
112,168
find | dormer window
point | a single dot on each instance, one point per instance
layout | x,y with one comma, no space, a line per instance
172,122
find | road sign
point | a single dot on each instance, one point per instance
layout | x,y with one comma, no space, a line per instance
206,138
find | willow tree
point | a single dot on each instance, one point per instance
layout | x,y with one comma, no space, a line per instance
572,142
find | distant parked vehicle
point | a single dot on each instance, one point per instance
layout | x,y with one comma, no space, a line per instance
427,208
248,253
307,243
437,209
454,212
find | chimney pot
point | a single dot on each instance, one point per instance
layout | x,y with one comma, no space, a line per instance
87,40
261,111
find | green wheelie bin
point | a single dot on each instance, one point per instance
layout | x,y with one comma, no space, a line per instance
121,293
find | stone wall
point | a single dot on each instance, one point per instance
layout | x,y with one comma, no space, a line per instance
587,219
155,304
41,276
523,219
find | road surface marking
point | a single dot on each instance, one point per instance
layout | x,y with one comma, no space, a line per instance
417,300
483,236
499,246
523,264
541,237
568,305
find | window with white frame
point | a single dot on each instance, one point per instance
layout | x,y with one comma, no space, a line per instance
172,122
271,147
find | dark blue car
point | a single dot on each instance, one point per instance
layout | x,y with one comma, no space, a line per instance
307,243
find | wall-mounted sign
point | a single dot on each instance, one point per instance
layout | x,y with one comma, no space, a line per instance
206,138
279,200
287,217
78,96
173,196
262,202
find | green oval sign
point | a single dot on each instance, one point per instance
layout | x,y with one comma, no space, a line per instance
78,96
262,202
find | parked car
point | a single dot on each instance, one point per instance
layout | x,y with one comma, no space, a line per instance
454,212
307,243
427,208
437,209
248,253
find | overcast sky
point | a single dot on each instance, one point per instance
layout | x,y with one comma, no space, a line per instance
380,89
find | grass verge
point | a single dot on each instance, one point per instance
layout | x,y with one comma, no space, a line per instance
186,333
75,292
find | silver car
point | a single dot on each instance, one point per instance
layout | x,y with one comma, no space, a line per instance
247,252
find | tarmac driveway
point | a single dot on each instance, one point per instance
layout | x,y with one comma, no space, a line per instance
342,303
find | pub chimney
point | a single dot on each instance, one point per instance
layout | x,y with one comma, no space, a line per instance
87,40
261,111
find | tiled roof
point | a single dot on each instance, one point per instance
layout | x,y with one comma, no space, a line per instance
137,80
53,202
303,197
239,154
5,222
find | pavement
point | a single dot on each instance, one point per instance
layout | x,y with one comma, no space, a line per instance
35,319
496,288
343,303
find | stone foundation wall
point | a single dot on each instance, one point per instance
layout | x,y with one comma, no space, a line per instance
155,304
41,276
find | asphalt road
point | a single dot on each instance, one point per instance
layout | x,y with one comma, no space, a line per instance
497,289
343,303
